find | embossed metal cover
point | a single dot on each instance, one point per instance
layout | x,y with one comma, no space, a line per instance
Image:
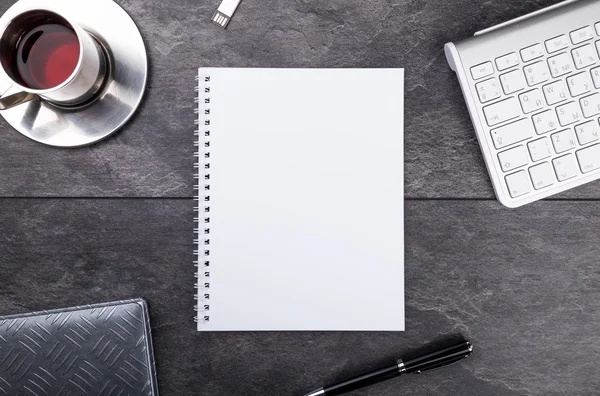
100,350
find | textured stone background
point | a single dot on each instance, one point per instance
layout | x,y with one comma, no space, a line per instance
114,220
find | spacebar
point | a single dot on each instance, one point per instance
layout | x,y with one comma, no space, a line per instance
512,133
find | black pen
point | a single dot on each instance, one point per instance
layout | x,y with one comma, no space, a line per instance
423,363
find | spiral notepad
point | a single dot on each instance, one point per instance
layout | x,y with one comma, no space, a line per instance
300,215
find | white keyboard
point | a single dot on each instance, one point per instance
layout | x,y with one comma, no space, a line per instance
532,87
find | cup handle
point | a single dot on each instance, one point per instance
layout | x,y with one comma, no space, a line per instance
10,101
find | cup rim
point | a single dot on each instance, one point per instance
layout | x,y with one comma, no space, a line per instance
78,32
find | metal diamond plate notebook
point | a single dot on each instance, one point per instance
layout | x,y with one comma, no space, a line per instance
100,350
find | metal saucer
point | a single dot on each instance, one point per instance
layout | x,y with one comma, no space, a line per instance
124,87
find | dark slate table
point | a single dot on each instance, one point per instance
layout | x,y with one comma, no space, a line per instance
114,220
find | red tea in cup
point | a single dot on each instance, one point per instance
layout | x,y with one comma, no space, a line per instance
46,56
40,50
51,58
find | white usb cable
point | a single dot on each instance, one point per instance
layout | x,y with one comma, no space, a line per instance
225,12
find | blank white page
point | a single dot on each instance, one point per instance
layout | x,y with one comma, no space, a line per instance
301,218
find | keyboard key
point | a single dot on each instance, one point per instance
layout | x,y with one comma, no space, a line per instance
584,56
518,184
512,133
596,76
565,167
542,175
589,158
590,105
502,111
579,84
569,114
557,43
597,45
532,52
560,65
563,141
488,90
513,81
588,132
537,73
539,149
483,70
531,101
581,35
555,92
598,28
545,122
507,61
513,158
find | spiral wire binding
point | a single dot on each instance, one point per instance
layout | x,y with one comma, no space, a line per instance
202,206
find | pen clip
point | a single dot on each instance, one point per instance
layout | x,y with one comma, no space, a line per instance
440,358
440,365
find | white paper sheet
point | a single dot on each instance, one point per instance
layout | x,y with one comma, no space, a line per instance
306,200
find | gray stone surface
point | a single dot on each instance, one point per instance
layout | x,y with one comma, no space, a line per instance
523,284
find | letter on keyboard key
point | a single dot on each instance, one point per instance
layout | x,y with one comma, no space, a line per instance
513,158
513,81
545,122
589,158
584,56
588,132
502,111
596,74
579,84
531,101
555,92
537,73
518,184
542,175
512,133
560,65
565,167
563,141
590,105
569,114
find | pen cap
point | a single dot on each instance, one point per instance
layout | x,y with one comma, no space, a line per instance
440,358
